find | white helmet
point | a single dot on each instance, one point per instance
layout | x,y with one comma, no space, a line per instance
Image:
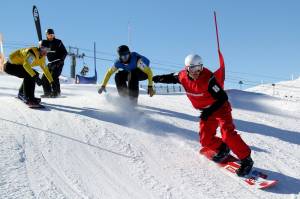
193,60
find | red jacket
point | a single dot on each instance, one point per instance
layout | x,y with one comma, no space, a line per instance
197,90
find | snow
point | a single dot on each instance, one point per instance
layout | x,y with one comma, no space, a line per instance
89,146
289,90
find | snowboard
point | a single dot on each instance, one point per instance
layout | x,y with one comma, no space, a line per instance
60,96
36,106
255,178
36,18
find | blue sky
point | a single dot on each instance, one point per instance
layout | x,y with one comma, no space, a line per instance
259,39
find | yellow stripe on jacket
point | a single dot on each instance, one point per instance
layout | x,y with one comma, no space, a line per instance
108,74
146,69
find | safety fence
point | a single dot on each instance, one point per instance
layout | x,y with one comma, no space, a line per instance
288,92
166,88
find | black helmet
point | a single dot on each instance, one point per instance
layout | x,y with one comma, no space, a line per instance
123,50
49,31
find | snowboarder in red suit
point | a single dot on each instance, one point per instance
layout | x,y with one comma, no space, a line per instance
207,95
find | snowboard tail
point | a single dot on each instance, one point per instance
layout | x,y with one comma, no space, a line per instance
254,179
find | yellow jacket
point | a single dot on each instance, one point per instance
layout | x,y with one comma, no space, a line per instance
29,58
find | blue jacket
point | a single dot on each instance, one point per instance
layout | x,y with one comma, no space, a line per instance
134,57
136,61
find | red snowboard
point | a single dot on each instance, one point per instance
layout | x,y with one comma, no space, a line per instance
255,179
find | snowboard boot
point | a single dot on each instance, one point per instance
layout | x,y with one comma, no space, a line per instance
21,96
46,95
222,154
246,166
54,94
32,102
37,100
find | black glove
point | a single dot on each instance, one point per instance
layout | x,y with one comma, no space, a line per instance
168,78
205,114
61,63
56,64
151,91
37,79
101,89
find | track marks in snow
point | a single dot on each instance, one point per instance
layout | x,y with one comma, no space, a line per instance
14,181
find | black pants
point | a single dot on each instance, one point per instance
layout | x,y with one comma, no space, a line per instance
55,69
133,78
28,86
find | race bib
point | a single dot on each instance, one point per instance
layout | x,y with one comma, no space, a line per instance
30,59
216,88
141,64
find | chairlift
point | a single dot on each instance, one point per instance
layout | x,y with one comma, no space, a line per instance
82,79
85,68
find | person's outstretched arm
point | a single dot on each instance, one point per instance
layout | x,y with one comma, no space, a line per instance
107,76
171,78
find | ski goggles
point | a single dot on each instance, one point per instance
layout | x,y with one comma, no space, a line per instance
195,68
124,57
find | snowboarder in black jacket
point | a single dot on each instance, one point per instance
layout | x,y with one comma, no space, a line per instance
56,57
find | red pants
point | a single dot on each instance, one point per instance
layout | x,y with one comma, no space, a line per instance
222,118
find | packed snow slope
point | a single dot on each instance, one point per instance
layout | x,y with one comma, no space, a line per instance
289,90
88,146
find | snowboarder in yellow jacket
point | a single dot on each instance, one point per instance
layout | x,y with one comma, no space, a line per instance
21,63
